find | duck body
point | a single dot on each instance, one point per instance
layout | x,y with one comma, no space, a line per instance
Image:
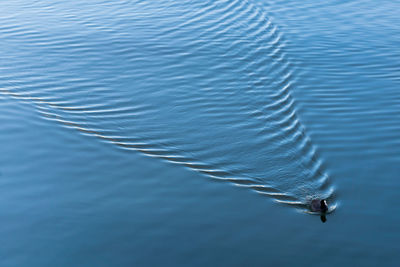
319,205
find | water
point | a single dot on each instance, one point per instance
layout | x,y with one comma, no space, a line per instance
148,133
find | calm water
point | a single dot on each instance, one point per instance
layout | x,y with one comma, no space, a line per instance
180,133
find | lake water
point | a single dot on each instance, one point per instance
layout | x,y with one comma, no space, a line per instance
196,133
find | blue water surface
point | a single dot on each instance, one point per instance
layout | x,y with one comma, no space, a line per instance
196,133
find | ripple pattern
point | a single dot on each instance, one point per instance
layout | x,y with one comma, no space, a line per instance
203,84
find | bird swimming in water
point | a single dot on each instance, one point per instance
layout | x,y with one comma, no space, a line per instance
319,205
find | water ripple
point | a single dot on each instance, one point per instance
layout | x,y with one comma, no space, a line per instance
206,85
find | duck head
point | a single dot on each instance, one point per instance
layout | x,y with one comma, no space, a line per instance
324,205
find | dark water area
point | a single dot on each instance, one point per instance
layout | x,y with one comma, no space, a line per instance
197,133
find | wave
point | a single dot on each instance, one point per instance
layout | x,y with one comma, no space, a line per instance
206,85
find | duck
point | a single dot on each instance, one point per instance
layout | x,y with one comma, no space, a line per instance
319,205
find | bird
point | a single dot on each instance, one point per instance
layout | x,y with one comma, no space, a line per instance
319,205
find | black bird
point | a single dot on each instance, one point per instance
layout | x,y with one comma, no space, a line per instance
319,205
